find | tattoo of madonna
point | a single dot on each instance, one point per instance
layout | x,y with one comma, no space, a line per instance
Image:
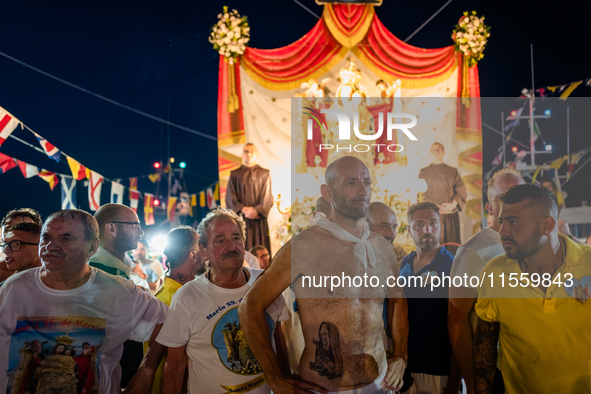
181,277
328,358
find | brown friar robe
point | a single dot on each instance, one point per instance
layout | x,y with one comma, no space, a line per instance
444,185
251,187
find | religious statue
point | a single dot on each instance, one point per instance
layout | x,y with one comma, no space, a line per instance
249,194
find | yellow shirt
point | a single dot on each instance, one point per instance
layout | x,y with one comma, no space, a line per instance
545,338
164,294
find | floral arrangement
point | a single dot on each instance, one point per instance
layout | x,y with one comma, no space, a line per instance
470,36
230,34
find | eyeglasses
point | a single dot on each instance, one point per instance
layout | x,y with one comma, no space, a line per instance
135,225
15,245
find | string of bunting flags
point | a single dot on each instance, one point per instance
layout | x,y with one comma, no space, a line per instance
8,123
564,91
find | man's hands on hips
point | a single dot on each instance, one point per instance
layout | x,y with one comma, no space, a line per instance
293,384
393,378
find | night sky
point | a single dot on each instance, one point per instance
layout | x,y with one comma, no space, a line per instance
154,56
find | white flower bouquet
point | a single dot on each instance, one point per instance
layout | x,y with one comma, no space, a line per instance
230,34
470,36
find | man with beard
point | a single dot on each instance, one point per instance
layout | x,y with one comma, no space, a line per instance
345,246
430,358
119,232
534,302
470,260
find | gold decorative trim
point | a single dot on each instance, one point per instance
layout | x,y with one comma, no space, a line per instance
470,182
339,35
336,57
408,81
464,156
470,211
229,156
466,134
236,137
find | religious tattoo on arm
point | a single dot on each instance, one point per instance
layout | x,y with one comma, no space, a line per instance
328,358
485,355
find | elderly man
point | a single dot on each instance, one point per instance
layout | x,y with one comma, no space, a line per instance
539,315
342,326
203,323
20,244
430,357
249,194
470,260
64,304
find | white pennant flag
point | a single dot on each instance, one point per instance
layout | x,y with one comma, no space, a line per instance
94,190
68,192
211,204
116,193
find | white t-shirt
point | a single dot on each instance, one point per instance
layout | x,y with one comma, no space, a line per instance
204,317
97,317
251,260
475,253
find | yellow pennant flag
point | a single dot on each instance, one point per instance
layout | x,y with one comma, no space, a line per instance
569,90
556,164
201,199
154,177
533,179
216,192
193,204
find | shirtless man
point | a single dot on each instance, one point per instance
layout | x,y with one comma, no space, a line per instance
344,351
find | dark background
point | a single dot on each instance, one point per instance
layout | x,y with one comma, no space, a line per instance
154,55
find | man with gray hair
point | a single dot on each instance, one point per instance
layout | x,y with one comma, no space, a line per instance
68,303
539,315
203,322
470,260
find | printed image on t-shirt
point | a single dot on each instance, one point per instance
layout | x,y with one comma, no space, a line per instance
53,354
230,342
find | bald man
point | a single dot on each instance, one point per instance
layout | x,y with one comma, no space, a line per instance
342,325
382,220
470,259
119,232
323,206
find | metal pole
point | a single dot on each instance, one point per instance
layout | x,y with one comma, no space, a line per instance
531,111
427,21
503,133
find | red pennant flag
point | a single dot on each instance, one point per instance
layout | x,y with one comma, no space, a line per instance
132,186
27,169
6,163
94,190
134,196
211,204
7,124
49,177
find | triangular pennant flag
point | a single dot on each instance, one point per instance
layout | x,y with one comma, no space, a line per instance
193,204
556,164
94,190
7,124
68,192
536,131
6,163
148,209
49,177
533,179
202,199
154,177
134,196
78,170
171,209
569,90
211,204
216,192
27,169
132,185
49,149
116,193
